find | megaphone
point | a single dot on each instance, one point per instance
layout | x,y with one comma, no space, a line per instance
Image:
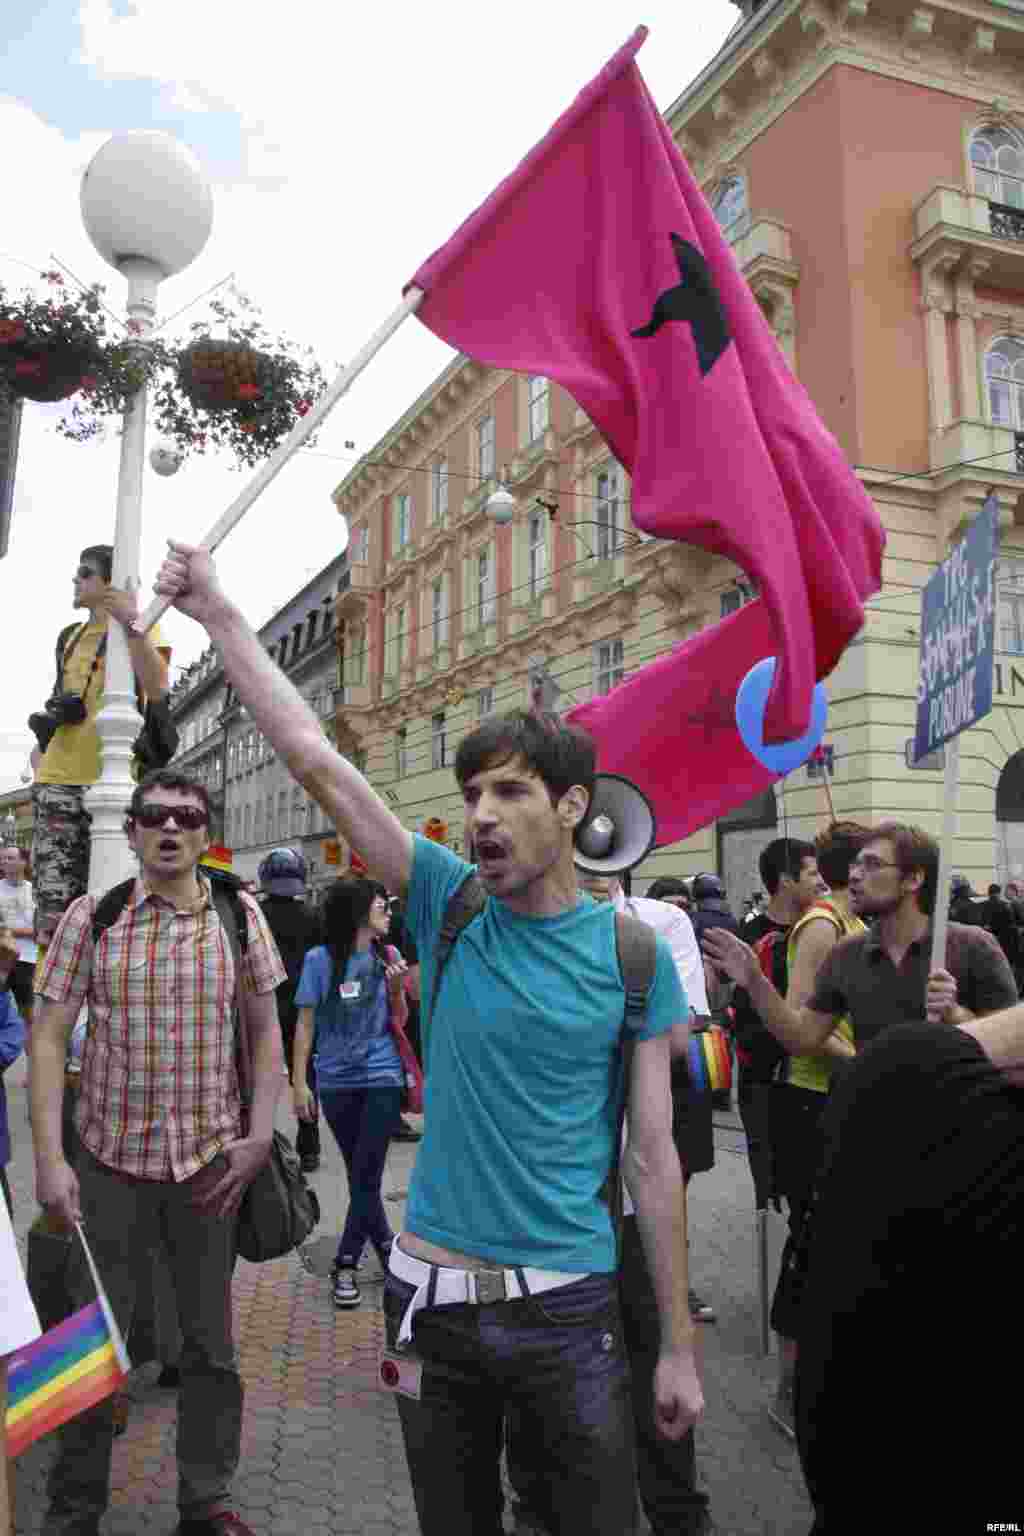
620,828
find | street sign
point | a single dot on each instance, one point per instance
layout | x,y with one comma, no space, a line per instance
954,689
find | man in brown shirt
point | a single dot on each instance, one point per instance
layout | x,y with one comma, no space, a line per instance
881,977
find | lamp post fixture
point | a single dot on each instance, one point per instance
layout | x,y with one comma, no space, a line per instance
501,505
147,209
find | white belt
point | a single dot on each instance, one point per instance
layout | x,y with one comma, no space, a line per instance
479,1287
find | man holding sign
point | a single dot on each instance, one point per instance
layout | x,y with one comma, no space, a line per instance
884,975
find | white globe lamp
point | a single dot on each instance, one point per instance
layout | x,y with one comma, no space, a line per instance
164,460
501,506
145,198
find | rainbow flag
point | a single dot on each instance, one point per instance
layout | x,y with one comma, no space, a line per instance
70,1368
217,856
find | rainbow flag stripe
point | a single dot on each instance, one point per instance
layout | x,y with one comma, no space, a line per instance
66,1371
710,1063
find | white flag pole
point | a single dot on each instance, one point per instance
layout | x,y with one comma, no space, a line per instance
950,792
303,429
101,1296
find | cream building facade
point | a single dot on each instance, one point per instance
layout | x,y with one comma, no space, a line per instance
866,158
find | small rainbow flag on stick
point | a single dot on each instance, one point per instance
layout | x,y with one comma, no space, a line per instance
71,1367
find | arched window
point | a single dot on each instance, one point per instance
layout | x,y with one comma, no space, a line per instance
729,206
998,160
1004,376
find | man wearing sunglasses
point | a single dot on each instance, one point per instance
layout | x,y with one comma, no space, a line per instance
67,760
882,976
163,1160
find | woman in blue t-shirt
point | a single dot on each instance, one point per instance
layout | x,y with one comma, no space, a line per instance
348,993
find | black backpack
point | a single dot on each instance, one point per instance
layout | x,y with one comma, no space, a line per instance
636,948
761,1055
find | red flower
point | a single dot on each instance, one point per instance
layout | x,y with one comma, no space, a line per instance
303,407
53,277
134,327
89,383
29,367
249,392
11,330
247,426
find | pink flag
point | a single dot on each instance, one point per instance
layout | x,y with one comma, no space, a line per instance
599,264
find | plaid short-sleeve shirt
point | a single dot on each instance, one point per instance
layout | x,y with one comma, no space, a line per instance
159,1089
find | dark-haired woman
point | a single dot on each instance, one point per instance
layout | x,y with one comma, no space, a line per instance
349,996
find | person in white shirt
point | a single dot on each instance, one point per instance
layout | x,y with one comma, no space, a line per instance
17,912
666,1470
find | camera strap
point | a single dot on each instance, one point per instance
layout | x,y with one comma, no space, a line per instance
66,651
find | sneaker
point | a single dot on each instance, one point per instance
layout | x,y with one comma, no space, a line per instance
780,1411
701,1311
406,1132
346,1292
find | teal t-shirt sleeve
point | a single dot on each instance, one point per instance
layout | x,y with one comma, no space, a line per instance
436,875
312,987
666,1001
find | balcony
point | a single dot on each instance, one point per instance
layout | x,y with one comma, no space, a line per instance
976,450
350,602
969,459
959,225
764,250
527,468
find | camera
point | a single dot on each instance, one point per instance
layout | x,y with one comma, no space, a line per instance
60,709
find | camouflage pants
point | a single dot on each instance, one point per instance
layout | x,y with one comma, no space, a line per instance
60,852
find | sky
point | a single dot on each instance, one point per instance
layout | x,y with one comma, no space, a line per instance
339,154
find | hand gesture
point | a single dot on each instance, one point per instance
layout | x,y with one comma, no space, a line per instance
305,1101
244,1160
57,1192
678,1397
189,578
396,970
121,605
940,998
731,955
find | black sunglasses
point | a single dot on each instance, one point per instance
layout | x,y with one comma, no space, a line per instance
189,817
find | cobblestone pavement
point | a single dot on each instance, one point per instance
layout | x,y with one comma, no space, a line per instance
321,1448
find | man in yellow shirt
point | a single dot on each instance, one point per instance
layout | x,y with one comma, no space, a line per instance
69,761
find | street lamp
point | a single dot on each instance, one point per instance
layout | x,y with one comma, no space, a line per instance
147,209
501,504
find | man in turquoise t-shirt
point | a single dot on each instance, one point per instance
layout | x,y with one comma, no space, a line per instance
502,1288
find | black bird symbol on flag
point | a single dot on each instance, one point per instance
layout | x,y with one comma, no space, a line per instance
695,300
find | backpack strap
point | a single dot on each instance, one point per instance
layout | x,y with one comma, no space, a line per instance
109,908
637,951
468,900
227,903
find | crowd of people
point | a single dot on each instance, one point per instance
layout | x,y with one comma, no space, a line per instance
537,1301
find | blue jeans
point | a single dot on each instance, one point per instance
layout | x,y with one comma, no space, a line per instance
558,1362
666,1469
361,1121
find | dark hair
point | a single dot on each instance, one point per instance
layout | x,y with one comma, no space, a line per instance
914,850
167,778
783,856
837,847
994,890
344,910
560,755
665,886
103,555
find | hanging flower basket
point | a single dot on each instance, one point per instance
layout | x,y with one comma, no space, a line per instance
217,375
243,391
45,371
56,347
